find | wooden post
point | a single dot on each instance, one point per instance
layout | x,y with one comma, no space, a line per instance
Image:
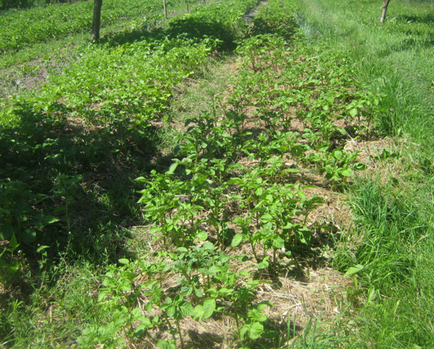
383,14
96,20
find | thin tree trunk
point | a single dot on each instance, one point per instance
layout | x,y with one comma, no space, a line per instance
383,14
96,20
165,8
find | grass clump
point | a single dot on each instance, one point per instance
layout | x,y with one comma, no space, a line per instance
391,264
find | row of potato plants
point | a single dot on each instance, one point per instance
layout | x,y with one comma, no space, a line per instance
235,182
142,73
22,28
232,181
314,96
100,106
123,102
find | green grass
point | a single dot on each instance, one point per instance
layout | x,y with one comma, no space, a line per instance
393,227
392,237
48,316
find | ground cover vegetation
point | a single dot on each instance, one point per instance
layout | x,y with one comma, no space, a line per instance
141,211
19,4
39,42
27,27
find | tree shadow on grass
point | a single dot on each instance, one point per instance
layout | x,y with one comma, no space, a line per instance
426,19
70,186
191,27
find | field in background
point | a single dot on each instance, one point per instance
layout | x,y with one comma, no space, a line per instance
40,41
203,182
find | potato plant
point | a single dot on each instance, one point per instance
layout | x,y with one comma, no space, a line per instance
84,117
24,28
237,180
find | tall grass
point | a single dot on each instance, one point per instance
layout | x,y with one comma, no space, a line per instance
395,227
392,239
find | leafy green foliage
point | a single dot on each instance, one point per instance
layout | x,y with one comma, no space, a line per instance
22,29
139,87
30,140
393,212
9,268
208,177
6,4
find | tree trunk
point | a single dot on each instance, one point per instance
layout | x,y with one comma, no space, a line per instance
165,8
383,14
96,20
